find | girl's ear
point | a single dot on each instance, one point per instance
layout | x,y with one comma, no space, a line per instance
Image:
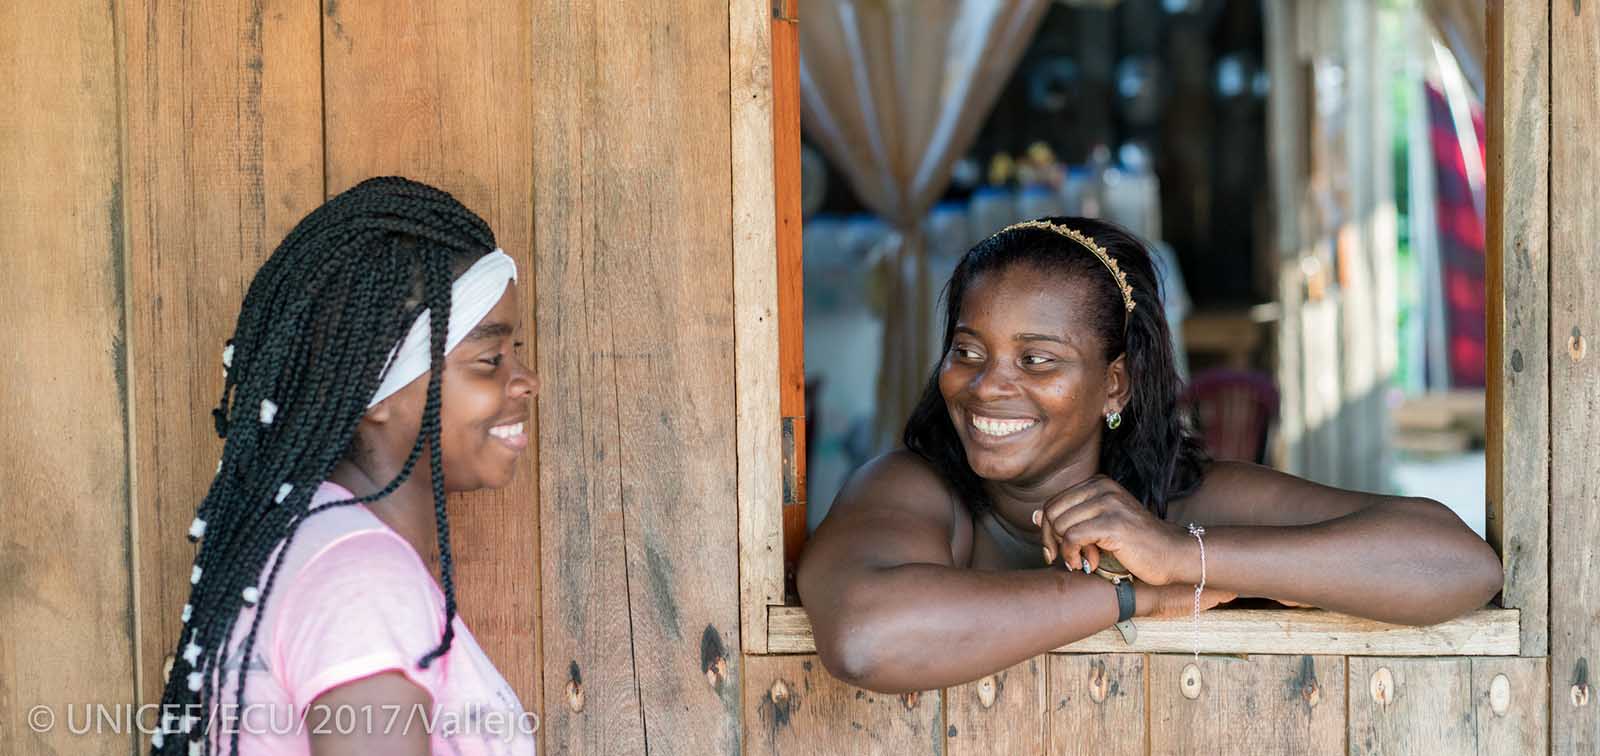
1118,386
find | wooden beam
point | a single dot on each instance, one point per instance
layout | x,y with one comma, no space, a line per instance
756,320
64,595
1574,375
632,187
1486,632
223,155
1518,300
1458,705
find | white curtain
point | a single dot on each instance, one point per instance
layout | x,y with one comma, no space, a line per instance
895,91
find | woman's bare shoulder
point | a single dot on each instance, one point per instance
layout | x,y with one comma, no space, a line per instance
896,499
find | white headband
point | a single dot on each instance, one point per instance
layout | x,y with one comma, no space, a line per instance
472,296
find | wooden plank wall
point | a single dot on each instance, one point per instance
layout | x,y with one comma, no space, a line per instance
1518,297
631,185
66,625
223,155
1164,704
1574,374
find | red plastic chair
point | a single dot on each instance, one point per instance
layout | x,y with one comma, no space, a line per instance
1234,411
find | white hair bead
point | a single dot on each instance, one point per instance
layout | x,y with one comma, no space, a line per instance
251,595
156,739
197,529
191,653
194,748
219,466
283,492
269,410
194,681
194,575
227,356
188,611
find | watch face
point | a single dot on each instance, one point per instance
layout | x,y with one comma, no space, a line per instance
1111,569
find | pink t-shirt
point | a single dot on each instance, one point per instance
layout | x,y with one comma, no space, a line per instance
353,600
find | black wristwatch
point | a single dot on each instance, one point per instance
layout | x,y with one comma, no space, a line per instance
1125,604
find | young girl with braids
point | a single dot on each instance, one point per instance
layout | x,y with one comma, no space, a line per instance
372,371
1047,439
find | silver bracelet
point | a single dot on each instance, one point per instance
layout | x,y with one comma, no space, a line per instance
1197,532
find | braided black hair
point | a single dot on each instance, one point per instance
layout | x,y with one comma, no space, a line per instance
307,355
1153,453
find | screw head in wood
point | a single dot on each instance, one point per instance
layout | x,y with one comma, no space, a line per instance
1190,682
1500,695
987,691
1580,694
1382,686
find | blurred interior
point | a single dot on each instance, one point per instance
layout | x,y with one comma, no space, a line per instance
1310,174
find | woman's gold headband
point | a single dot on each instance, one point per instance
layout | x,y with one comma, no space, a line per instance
1088,243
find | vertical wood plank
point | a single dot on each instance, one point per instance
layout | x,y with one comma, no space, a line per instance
1518,401
442,92
1403,706
1258,705
588,668
65,598
223,154
1000,713
1574,373
793,707
1096,704
1511,704
791,301
757,315
632,180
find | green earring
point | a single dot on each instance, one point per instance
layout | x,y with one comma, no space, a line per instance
1113,420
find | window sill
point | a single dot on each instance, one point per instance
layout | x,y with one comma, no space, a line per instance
1490,631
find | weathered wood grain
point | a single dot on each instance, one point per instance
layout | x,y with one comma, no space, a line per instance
793,707
1486,632
1574,374
1518,297
636,316
1096,704
64,480
1463,705
1511,701
1402,706
223,155
1257,705
757,318
999,713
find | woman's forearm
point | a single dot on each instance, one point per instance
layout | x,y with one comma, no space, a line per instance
925,626
1403,561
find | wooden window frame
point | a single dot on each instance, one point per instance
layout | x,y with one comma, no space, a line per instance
766,249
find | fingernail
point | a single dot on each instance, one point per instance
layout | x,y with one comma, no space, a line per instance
1037,516
1048,557
1086,569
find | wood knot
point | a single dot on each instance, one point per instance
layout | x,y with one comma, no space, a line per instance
1312,693
1576,346
1382,686
779,694
1580,694
1500,695
987,690
910,700
1190,682
1099,682
574,688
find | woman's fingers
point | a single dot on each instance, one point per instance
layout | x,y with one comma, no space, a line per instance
1047,536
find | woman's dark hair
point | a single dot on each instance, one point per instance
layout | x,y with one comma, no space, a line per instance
1152,453
307,355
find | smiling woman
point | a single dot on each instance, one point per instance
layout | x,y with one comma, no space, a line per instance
1047,439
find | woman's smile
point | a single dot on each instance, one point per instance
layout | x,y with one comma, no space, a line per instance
513,434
